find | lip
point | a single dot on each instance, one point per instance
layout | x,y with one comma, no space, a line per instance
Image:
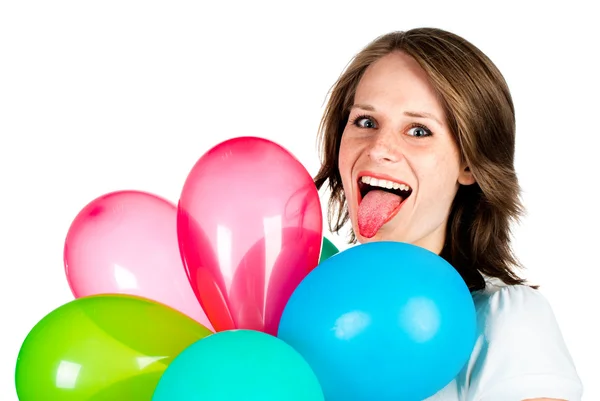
375,175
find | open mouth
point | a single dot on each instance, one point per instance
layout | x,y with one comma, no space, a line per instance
367,183
379,200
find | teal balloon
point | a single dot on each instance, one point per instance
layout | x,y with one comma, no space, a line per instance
239,365
327,250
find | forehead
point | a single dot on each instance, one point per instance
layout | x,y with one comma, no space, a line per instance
397,81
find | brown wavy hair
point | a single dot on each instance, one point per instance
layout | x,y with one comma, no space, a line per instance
481,117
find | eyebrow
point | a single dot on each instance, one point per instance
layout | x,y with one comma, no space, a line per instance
416,114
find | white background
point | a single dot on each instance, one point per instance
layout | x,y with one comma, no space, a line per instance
108,95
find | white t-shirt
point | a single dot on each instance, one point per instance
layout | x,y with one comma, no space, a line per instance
519,353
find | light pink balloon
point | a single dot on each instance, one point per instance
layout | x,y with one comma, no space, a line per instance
126,242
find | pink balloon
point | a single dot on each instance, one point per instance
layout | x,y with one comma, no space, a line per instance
126,242
250,229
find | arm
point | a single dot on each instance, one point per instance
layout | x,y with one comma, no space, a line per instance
543,399
520,353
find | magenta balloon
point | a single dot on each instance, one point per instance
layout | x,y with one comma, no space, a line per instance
125,242
249,229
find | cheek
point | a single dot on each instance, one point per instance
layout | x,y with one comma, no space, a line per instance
438,175
346,158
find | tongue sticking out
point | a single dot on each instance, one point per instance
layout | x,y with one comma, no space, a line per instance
375,210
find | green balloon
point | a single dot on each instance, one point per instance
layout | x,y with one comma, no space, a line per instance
327,250
102,348
239,365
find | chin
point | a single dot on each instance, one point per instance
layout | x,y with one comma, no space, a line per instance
386,233
380,236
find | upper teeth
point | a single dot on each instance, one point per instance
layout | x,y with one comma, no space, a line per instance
377,182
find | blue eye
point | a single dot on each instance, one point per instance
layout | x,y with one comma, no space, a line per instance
416,130
364,122
419,131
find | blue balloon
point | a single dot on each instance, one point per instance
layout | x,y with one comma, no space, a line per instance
382,321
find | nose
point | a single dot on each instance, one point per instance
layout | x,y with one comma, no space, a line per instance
385,147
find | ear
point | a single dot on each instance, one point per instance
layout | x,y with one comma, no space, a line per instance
466,176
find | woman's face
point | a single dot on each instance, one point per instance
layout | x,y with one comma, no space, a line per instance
399,163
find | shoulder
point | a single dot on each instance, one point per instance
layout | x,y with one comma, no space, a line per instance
520,352
514,311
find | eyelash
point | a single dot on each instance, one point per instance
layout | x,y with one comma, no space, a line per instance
412,125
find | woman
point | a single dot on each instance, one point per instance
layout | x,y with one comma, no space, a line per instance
418,141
